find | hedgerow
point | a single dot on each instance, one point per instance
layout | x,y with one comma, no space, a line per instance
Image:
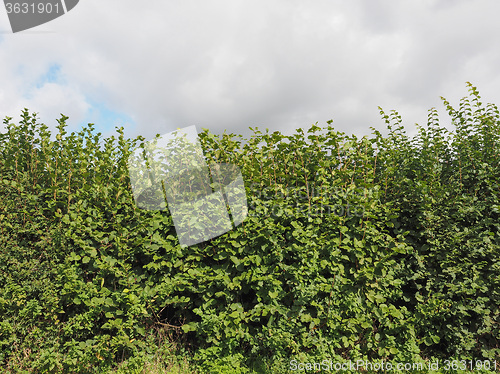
382,248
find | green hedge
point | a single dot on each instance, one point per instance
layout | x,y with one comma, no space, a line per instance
372,248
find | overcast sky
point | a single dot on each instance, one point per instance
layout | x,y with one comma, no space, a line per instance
159,65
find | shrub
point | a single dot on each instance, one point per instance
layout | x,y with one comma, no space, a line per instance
372,248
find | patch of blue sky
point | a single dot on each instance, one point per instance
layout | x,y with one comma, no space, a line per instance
53,75
105,119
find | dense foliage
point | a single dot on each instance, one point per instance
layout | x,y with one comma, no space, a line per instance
371,248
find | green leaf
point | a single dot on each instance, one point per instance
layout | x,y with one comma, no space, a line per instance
189,327
428,341
273,294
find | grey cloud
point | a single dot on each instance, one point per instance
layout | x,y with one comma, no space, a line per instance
282,64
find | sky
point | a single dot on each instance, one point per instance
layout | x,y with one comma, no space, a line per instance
156,66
